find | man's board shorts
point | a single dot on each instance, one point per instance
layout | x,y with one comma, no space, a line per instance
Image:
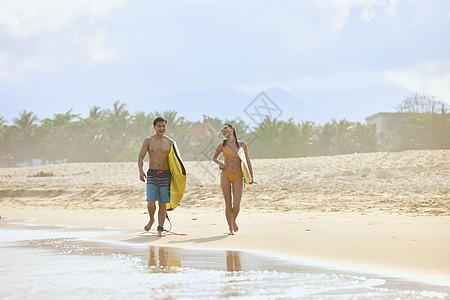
158,184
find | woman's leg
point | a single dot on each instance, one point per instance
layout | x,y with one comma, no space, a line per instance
237,195
226,190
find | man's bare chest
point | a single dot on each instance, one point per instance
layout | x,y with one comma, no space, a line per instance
159,147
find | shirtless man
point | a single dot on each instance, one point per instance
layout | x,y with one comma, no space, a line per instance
158,175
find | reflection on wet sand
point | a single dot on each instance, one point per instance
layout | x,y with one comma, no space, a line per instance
161,261
167,260
234,261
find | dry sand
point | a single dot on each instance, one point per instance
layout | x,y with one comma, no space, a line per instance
379,212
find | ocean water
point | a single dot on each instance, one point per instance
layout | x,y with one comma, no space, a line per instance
42,262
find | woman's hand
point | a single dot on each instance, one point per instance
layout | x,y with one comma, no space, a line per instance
221,166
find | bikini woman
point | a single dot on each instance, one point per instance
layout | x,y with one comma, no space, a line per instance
231,176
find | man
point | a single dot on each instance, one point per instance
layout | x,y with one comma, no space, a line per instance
158,175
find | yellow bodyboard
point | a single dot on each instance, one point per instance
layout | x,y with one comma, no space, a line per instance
178,180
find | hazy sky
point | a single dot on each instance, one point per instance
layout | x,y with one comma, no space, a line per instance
62,54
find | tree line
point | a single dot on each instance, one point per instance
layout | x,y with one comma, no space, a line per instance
424,124
116,135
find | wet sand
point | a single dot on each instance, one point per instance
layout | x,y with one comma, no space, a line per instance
36,260
377,212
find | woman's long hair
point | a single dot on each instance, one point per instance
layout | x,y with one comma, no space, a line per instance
234,133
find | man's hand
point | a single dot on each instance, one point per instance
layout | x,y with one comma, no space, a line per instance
142,176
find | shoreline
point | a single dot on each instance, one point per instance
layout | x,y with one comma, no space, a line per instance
413,248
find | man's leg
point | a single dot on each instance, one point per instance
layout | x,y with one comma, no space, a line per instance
162,211
151,207
152,195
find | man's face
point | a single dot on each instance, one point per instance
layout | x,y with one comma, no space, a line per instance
160,128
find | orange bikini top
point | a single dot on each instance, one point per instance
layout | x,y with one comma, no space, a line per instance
227,154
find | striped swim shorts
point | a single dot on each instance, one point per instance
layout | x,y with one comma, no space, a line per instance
158,185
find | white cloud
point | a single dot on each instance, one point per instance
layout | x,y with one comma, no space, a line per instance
51,35
391,7
340,12
27,18
430,77
45,36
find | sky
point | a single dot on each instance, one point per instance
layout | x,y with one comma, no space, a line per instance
346,59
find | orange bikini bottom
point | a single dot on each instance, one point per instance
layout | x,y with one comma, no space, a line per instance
232,176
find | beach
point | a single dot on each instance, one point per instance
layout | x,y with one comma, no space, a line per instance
386,213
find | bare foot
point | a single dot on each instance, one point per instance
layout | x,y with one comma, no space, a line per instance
231,232
236,228
149,225
160,230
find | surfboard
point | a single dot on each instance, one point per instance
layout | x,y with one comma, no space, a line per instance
178,180
245,172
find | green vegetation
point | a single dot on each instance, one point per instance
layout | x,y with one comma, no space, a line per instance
425,125
117,135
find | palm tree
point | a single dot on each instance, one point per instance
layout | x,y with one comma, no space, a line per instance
8,144
141,126
307,131
26,125
2,125
364,138
59,137
324,139
341,140
174,124
26,121
2,139
118,126
290,140
95,113
268,143
118,116
178,128
172,120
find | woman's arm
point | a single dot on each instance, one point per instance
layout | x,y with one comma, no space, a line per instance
219,149
249,163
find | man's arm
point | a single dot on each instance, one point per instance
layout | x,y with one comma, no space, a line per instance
141,156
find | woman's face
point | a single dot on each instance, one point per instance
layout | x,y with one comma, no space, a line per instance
227,131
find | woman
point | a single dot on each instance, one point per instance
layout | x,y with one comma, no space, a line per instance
231,176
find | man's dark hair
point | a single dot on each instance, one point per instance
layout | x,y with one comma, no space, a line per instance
159,119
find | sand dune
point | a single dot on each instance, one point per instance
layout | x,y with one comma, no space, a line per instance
410,182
